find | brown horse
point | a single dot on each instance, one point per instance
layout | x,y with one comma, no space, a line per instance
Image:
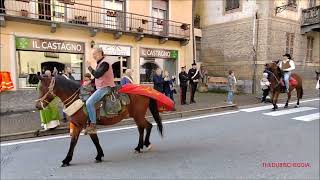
276,87
68,92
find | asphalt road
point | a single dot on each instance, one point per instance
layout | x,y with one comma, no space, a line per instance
229,145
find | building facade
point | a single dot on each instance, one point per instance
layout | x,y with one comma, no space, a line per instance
138,34
243,35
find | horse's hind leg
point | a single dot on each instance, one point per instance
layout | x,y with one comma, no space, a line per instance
141,135
289,97
73,143
95,140
147,139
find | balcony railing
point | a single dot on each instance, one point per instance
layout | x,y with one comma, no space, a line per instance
311,16
95,17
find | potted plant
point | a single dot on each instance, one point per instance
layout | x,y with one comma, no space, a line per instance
140,29
184,26
144,21
111,13
160,22
24,13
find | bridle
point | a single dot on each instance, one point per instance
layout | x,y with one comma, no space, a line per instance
50,91
274,76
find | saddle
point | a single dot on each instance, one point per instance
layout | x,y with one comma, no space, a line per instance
112,104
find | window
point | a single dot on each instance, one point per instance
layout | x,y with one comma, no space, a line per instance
292,3
312,3
114,18
232,4
289,43
198,48
160,14
310,40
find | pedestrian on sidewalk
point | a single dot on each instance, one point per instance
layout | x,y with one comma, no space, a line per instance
50,116
68,73
127,78
265,86
231,86
168,85
183,78
158,81
194,76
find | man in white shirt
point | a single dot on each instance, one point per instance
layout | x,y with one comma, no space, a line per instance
287,65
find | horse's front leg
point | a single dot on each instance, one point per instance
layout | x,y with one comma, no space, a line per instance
95,140
73,143
274,100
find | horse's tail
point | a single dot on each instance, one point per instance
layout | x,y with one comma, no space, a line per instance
155,113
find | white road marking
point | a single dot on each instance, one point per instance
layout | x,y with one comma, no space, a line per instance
260,108
117,129
309,117
289,111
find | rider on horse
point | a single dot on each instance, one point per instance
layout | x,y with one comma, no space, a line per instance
104,81
287,65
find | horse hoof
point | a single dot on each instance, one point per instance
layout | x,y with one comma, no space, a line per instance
149,148
285,106
138,151
297,106
98,161
65,165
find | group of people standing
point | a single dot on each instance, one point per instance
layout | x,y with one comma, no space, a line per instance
164,83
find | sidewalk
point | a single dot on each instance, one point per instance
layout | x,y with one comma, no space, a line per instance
26,119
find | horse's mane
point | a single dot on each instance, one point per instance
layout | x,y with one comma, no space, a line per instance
66,83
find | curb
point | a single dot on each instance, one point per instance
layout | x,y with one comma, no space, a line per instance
129,121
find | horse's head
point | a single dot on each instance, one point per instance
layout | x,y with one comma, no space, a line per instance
273,68
46,94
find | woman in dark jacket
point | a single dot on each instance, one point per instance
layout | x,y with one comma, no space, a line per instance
168,85
158,81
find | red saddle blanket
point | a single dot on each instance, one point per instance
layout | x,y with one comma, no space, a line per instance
293,82
164,103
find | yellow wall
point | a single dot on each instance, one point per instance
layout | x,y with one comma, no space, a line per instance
41,31
4,53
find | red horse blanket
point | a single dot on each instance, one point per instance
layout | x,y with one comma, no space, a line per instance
164,103
293,82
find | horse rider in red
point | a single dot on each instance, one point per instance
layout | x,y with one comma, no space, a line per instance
104,81
287,65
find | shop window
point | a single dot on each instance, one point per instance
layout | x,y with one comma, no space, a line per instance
148,67
31,63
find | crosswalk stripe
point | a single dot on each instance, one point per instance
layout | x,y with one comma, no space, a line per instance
260,108
309,117
289,111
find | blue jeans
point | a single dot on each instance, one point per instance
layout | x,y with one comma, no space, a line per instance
230,97
286,77
92,101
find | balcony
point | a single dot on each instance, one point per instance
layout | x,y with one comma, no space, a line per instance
310,19
72,14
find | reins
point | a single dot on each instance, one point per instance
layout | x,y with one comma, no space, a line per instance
50,91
